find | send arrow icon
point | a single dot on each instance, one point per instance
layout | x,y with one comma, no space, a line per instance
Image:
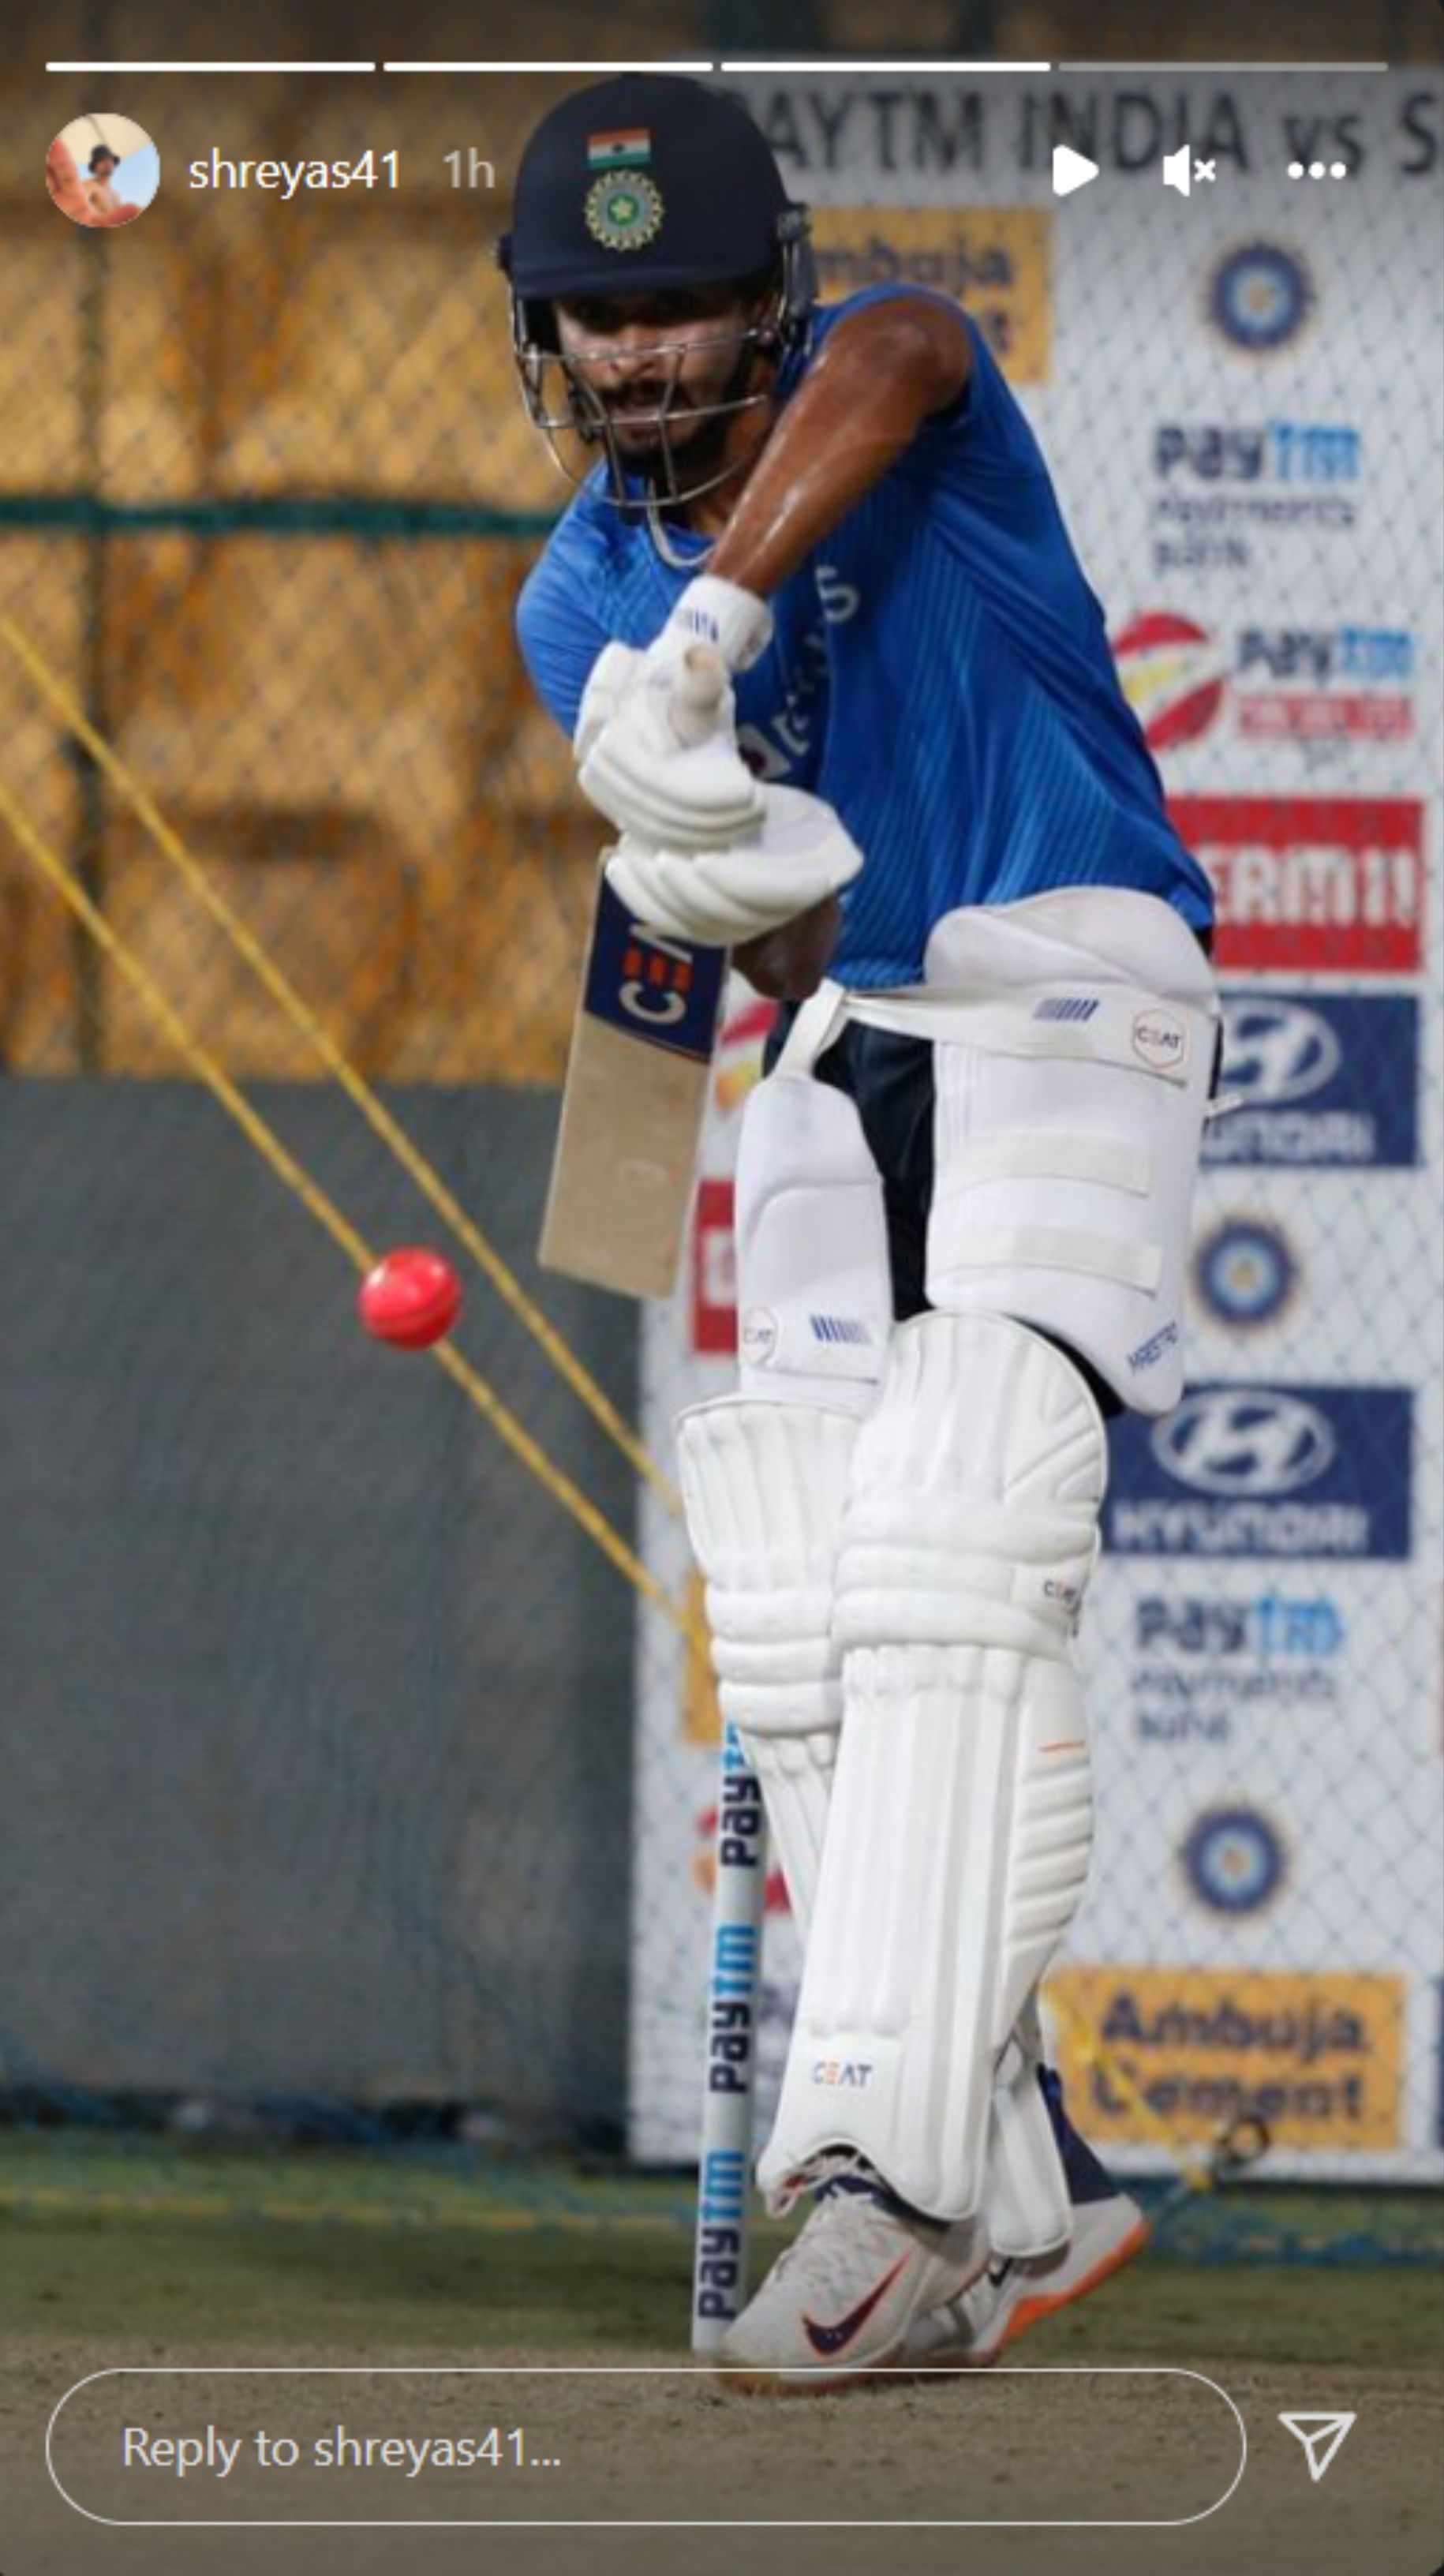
1321,2436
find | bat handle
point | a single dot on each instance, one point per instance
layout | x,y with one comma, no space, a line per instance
697,694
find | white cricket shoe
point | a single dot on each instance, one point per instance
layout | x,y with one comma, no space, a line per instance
840,2301
972,2331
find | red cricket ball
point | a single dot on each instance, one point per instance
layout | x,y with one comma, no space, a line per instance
411,1298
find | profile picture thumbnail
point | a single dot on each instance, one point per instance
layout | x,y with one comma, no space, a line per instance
102,170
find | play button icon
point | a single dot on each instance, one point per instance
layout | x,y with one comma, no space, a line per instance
1071,170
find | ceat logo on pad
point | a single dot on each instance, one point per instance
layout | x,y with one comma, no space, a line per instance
1160,1040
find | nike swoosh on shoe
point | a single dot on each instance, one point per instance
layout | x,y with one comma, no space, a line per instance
830,2340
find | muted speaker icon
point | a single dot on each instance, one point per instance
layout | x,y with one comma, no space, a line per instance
1178,170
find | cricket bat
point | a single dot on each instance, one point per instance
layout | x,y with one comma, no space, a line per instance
638,1076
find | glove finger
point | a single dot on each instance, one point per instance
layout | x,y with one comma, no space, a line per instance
706,898
705,807
635,880
612,676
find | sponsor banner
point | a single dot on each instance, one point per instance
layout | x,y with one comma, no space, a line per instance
887,137
1322,687
1315,2055
1311,883
1242,495
1202,1665
1266,1471
1321,1080
996,265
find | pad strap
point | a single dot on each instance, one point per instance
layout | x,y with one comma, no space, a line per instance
1122,1024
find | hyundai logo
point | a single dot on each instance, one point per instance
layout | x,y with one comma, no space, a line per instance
1236,1440
1277,1051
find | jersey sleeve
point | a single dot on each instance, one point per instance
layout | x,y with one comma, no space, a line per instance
984,416
559,633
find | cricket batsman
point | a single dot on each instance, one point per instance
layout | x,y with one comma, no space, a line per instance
920,812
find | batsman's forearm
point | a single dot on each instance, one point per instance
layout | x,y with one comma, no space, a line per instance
858,410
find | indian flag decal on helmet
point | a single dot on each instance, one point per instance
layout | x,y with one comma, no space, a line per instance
624,210
629,144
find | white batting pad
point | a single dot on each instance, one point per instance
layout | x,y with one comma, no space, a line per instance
764,1486
814,1289
1064,1182
961,1816
1028,2210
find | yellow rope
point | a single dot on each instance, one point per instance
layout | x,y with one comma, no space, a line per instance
378,1117
297,1179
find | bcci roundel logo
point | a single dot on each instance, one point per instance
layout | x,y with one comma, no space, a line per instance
1235,1440
1234,1860
624,210
1259,297
1245,1272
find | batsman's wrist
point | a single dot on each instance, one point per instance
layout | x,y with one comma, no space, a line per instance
735,622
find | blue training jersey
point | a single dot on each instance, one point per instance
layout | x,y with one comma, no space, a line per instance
939,671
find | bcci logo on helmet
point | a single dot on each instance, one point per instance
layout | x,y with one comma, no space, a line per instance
624,212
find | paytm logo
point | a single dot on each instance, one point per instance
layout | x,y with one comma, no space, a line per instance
1272,451
1242,1441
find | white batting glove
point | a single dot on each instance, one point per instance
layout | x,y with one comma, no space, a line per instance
655,738
723,898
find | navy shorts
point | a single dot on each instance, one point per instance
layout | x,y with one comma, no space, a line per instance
891,1080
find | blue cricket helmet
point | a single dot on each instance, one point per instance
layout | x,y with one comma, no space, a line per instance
649,181
646,185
